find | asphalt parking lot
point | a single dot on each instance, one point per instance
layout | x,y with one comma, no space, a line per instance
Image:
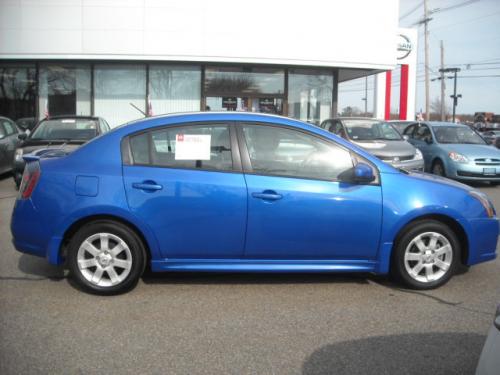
238,323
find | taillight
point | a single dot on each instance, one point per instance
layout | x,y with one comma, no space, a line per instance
30,178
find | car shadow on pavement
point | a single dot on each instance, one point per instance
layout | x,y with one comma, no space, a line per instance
203,278
38,269
418,353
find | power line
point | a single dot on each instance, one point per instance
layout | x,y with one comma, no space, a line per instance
411,11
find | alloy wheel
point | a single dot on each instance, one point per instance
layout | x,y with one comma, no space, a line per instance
428,257
104,259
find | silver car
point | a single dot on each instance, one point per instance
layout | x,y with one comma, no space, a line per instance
489,362
378,138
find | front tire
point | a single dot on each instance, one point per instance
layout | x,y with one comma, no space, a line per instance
438,168
426,255
106,257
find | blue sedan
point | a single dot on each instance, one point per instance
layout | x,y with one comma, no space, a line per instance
455,151
243,192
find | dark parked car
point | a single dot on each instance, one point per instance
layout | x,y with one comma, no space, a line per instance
492,137
26,123
378,138
62,132
8,143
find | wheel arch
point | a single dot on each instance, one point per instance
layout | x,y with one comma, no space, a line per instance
73,228
453,224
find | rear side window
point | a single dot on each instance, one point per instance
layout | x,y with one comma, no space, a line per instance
9,128
191,147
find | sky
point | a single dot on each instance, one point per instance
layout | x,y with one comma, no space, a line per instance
471,37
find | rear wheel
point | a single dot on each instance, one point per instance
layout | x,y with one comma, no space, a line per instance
106,257
426,255
438,168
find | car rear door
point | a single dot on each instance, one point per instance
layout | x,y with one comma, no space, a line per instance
186,183
297,206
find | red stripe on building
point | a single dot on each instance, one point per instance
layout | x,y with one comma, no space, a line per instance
403,94
388,82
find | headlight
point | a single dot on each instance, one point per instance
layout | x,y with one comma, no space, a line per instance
483,199
18,156
459,158
418,155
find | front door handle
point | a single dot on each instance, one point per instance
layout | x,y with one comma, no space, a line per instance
267,195
147,185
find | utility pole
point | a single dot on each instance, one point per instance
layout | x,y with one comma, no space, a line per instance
426,41
455,96
443,86
366,95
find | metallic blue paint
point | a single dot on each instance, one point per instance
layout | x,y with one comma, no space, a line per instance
233,221
469,171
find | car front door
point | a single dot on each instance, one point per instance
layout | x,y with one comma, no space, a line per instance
297,206
421,138
185,182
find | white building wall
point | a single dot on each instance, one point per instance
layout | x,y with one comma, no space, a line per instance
349,33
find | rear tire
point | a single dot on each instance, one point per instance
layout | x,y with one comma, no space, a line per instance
106,257
426,255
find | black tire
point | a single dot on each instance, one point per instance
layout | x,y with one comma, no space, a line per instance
438,168
136,255
398,267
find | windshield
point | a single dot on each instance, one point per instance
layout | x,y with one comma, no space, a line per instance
369,130
65,129
457,134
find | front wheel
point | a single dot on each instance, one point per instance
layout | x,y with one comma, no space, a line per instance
426,255
106,257
438,168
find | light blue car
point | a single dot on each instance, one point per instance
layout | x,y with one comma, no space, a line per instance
455,151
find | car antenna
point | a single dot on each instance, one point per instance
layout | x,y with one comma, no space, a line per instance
140,110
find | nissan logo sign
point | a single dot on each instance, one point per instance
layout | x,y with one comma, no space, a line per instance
404,47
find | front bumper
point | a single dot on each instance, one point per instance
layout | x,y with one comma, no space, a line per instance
483,238
473,172
409,165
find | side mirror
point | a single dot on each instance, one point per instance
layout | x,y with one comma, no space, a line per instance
406,138
428,140
363,173
22,136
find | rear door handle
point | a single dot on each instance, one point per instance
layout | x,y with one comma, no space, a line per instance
147,185
267,195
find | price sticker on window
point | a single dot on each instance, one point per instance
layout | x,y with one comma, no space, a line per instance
192,146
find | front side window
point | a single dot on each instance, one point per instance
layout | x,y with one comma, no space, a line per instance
191,147
9,128
285,152
423,133
409,130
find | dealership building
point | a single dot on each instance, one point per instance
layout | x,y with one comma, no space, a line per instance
125,59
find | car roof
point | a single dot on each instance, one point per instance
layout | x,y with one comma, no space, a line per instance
76,117
443,123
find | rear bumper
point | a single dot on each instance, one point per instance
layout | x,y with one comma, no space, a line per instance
31,234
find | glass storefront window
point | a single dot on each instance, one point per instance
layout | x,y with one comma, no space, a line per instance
64,90
174,88
236,81
310,95
117,89
17,91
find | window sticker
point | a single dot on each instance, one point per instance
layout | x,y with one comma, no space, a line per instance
192,146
